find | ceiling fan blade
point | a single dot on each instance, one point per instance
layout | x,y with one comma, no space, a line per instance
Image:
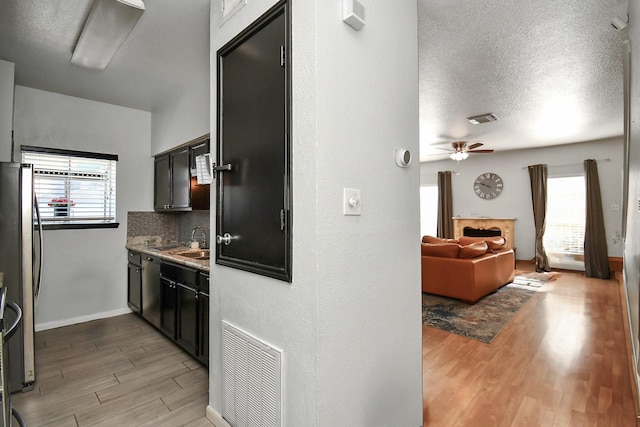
474,146
480,151
440,148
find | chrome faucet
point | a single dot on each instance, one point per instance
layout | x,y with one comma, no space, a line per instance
204,235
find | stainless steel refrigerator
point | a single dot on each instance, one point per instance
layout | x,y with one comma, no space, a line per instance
21,264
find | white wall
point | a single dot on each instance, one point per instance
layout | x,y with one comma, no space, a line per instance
185,116
515,200
632,242
350,322
84,273
6,108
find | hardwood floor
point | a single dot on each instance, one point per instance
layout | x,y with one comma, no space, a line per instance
113,372
561,361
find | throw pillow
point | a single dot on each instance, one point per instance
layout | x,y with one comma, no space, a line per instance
443,250
432,239
494,242
473,250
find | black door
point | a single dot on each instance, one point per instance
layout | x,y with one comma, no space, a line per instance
254,196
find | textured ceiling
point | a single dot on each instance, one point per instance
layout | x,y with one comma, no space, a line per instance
169,44
550,70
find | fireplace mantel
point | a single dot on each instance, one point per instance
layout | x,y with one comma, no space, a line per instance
506,226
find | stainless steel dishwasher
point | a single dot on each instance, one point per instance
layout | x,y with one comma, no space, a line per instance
151,290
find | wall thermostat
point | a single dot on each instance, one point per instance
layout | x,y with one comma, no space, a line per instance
403,157
353,14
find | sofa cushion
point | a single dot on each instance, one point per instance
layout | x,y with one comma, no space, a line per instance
443,250
473,250
494,242
432,239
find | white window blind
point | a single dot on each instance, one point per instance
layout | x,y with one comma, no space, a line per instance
73,187
566,215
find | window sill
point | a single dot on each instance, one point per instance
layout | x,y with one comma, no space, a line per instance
79,225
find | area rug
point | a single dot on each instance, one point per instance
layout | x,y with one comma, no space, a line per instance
481,321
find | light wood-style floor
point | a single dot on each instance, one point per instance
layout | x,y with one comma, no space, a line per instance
561,361
113,372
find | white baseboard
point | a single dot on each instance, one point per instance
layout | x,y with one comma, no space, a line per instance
81,319
216,418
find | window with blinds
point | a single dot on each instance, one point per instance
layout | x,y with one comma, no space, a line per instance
75,189
565,222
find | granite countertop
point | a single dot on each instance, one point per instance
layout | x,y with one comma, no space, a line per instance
170,253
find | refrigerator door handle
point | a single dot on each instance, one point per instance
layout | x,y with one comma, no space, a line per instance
38,280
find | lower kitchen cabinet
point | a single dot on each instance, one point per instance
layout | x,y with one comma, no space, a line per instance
187,318
203,319
134,282
174,299
168,308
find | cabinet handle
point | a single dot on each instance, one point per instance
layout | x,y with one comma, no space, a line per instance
137,269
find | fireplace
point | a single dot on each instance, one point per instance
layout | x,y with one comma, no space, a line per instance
481,232
485,227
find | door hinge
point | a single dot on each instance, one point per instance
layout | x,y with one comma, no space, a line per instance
282,58
282,219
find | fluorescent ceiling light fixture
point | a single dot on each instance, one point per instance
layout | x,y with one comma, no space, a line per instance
483,118
459,155
108,25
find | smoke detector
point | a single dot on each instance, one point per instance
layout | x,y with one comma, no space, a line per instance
483,118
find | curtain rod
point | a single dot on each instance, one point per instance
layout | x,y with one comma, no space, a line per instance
571,164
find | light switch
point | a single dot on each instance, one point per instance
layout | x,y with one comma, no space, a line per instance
352,203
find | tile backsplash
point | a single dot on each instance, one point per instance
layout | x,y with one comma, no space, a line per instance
172,227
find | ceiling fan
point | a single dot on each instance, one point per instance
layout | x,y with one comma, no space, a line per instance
461,150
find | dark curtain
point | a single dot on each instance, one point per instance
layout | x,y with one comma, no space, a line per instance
445,206
596,258
538,178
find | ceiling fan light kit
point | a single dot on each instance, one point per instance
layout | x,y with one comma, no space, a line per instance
459,156
108,25
482,118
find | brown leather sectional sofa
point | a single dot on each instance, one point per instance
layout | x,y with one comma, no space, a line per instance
466,269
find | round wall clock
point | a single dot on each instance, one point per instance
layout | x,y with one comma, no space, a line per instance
488,185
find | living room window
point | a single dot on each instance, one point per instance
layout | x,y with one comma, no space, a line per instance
565,222
428,210
75,189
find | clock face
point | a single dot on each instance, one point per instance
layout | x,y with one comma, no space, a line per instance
488,186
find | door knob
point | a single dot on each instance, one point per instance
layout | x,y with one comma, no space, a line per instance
226,239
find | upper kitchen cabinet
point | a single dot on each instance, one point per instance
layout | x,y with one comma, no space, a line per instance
200,193
172,181
175,183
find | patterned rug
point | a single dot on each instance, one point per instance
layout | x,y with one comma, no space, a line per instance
482,321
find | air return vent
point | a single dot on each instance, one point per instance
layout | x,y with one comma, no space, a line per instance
252,380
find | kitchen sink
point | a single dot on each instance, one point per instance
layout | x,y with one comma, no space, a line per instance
201,254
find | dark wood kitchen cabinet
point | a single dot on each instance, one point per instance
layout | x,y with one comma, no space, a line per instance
187,318
203,319
168,307
171,181
134,282
175,185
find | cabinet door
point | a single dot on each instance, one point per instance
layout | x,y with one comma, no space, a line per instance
203,328
134,284
168,308
180,177
200,194
253,116
162,183
187,318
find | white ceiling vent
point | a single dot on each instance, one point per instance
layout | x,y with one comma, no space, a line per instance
483,118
